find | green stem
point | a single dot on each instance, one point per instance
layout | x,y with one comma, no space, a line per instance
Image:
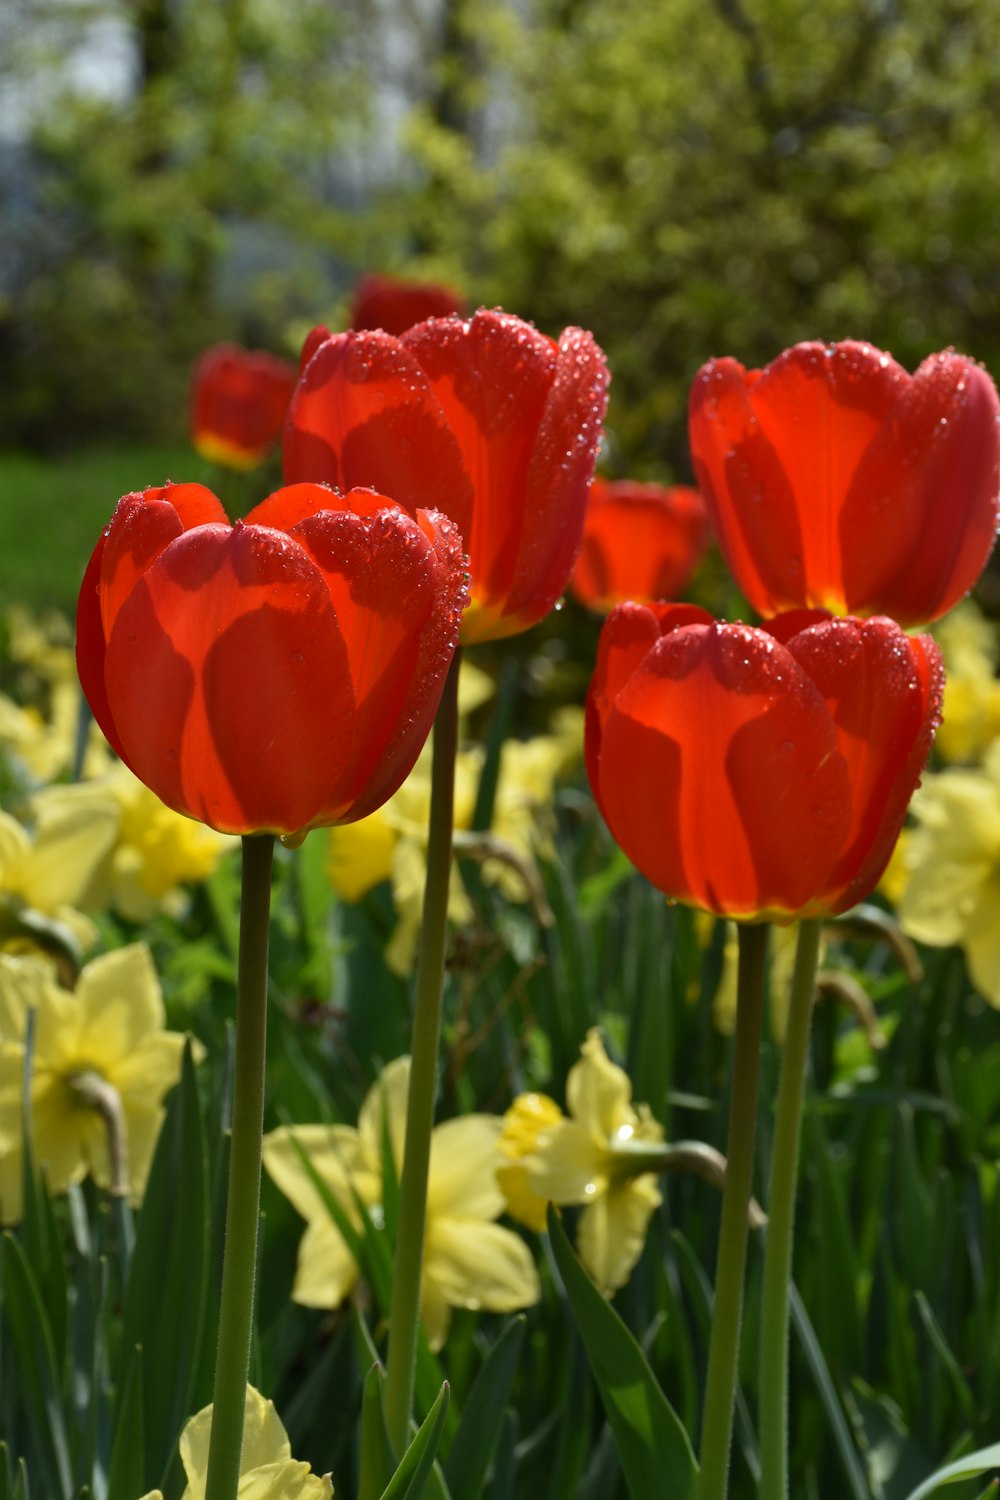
781,1220
239,1262
404,1318
724,1341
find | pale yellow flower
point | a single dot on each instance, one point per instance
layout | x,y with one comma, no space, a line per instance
267,1469
106,1032
469,1260
971,710
51,869
42,733
592,1157
144,851
952,860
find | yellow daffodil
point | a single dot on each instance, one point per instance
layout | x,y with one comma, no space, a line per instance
592,1157
101,1066
971,710
469,1260
51,869
143,850
267,1469
952,865
392,842
42,733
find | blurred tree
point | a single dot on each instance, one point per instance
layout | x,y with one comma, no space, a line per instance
704,178
152,131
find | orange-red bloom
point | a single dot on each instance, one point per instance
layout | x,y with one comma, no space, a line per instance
274,675
239,401
394,305
487,420
640,542
759,773
835,480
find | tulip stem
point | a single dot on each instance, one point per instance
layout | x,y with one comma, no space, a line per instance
404,1320
239,1262
781,1220
724,1340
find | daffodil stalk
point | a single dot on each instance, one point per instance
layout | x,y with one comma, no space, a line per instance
727,1312
405,1311
781,1220
239,1264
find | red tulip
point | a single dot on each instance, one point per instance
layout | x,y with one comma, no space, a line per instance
640,542
759,773
274,675
239,401
394,305
487,420
834,479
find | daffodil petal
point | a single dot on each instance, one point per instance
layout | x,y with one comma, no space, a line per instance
477,1265
598,1093
568,1167
326,1272
264,1439
119,997
465,1156
334,1152
612,1231
385,1100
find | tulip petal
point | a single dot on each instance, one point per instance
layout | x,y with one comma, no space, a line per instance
920,516
562,465
228,630
364,414
719,773
630,632
492,376
775,451
883,691
640,542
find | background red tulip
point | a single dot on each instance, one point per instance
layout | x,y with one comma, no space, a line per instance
394,305
834,479
274,675
640,542
759,772
239,401
487,420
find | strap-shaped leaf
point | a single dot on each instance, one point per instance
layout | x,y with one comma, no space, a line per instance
653,1447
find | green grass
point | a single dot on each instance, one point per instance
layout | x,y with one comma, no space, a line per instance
52,511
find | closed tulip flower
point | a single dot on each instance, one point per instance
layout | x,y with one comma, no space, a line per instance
486,420
835,480
390,303
759,773
239,401
274,675
640,542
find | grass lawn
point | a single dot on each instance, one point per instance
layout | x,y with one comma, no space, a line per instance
52,511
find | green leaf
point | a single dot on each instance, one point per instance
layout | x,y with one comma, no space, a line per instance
377,1461
806,1335
653,1447
166,1300
969,1467
505,1469
34,1351
127,1466
410,1479
475,1442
